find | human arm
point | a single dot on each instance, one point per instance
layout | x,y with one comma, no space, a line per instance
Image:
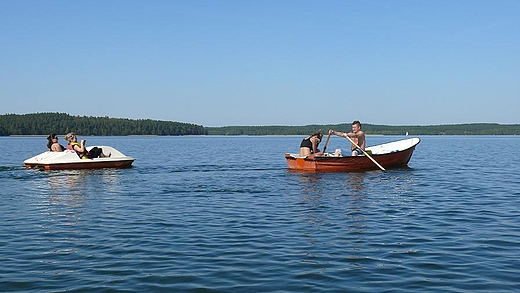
339,133
359,134
315,143
357,139
82,148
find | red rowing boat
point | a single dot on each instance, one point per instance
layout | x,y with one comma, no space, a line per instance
395,154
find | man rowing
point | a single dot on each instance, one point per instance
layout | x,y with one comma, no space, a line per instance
358,137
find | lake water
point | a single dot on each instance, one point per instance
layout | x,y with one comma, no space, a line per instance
223,214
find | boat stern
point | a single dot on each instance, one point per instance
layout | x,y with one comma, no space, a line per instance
295,162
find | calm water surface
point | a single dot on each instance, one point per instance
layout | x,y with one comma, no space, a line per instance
223,214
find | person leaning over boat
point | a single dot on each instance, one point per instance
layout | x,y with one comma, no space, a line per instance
357,135
309,145
53,144
80,148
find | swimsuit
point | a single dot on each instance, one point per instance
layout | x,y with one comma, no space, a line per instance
358,151
83,155
306,143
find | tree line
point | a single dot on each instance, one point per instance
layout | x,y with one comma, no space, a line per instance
61,123
373,129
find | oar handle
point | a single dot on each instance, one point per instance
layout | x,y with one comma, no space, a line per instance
366,154
326,143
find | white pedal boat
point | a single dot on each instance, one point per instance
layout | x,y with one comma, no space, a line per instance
68,159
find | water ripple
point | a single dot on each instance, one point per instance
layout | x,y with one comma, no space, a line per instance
242,224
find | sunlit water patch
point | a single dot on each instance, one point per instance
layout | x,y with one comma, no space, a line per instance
223,214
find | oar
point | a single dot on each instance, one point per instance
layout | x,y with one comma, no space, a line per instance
366,154
326,143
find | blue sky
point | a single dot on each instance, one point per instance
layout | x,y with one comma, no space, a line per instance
220,63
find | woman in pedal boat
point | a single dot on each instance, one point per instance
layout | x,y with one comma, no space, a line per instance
53,145
81,150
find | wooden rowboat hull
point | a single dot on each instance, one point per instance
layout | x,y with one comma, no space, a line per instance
390,155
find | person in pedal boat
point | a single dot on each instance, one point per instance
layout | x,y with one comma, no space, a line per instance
357,135
309,145
80,148
53,145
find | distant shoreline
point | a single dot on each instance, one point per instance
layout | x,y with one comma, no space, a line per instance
372,129
43,124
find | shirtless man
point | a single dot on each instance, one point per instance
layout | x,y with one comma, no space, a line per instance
357,135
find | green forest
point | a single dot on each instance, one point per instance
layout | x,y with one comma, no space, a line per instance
455,129
62,123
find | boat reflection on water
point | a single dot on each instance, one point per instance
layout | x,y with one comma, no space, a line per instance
356,182
81,182
334,206
67,194
68,190
68,183
322,191
356,201
353,183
